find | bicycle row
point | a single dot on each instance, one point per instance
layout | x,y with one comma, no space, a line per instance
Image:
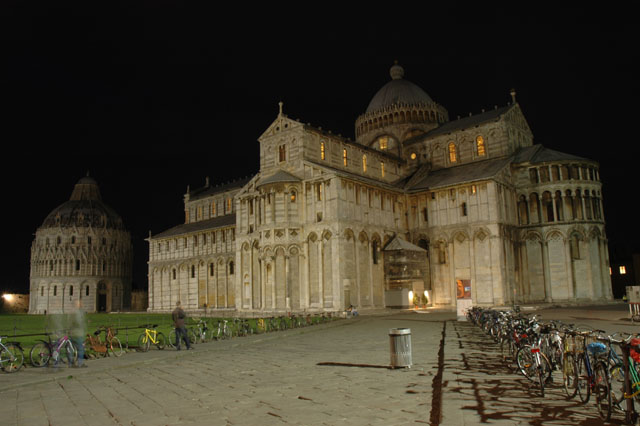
60,349
587,362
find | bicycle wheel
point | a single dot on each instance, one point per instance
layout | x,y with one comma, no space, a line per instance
40,354
569,379
544,371
602,390
143,343
582,379
525,362
68,353
171,341
616,372
11,358
507,349
115,347
209,335
161,341
193,338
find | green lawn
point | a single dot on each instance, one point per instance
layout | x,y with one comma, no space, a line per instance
16,326
28,329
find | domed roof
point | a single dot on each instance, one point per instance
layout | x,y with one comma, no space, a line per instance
84,208
398,91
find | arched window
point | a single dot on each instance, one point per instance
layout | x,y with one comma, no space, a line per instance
213,209
174,273
282,153
86,291
547,207
71,290
55,290
193,271
211,269
382,168
480,148
453,156
231,268
559,210
292,196
322,153
364,163
383,143
229,205
345,159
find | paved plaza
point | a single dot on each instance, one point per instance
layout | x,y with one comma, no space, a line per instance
330,374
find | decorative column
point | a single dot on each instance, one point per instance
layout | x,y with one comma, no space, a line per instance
546,273
287,300
320,271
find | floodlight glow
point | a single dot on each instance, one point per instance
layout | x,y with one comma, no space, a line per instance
7,297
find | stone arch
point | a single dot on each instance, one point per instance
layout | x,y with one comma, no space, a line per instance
547,207
460,236
553,234
348,234
481,233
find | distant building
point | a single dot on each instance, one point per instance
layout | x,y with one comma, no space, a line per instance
14,303
81,257
625,272
499,217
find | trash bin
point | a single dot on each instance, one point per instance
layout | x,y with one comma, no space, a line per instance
400,345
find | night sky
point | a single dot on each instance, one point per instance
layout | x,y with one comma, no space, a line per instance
151,98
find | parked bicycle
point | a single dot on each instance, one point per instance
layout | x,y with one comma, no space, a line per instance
222,331
61,350
202,332
149,336
11,356
191,334
110,345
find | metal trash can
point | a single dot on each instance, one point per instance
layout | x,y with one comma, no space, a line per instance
400,345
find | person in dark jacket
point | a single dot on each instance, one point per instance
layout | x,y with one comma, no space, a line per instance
179,316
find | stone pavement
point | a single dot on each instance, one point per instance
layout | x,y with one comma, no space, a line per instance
330,374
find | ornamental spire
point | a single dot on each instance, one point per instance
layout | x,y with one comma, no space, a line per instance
396,71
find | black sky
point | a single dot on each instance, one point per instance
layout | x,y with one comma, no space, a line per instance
149,98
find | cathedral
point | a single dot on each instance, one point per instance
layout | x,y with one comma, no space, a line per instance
81,257
418,209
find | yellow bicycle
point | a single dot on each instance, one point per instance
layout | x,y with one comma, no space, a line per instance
149,336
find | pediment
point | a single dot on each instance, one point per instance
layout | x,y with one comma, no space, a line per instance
281,124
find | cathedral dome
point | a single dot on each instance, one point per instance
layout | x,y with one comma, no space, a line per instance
399,111
84,209
398,92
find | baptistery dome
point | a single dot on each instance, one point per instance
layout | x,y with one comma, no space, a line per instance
84,208
81,256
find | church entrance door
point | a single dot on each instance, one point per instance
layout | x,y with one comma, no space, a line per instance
101,295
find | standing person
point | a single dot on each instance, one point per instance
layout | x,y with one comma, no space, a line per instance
78,331
178,316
